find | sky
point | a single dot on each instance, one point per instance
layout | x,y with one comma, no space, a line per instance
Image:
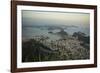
30,17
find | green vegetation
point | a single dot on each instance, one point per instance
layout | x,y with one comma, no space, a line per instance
73,47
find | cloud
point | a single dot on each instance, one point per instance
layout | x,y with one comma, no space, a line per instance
62,18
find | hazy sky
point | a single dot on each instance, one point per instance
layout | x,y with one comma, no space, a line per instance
58,18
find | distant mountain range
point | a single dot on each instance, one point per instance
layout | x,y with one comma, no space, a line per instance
52,27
